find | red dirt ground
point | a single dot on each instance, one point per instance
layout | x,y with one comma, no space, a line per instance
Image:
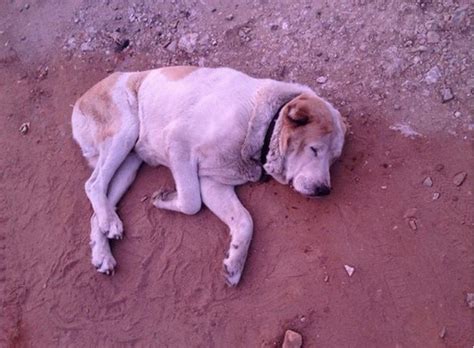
408,285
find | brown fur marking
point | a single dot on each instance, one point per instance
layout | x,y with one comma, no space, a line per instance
306,117
175,73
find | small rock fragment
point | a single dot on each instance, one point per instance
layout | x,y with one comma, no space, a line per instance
412,224
447,94
459,178
442,333
436,196
229,17
292,339
171,46
321,79
350,270
457,114
43,72
24,128
144,198
188,42
428,182
433,75
470,299
326,278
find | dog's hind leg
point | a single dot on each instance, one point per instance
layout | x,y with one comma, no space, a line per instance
112,153
102,257
224,203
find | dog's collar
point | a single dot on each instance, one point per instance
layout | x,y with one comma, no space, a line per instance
268,138
266,142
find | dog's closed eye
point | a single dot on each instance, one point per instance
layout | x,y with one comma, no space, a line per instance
315,151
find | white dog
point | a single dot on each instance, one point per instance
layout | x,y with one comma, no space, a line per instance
214,129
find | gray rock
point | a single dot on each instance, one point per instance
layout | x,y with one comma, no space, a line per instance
428,182
436,196
412,224
292,339
188,42
321,79
459,178
470,299
349,269
446,94
433,75
171,46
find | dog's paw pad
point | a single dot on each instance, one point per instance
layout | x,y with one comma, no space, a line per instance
162,195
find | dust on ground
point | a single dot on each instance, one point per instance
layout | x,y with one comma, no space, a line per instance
400,216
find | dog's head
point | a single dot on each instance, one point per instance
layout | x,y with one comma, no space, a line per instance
311,139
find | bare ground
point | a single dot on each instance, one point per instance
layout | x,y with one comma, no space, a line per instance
389,66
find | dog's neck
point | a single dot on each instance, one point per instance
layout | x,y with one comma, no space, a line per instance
271,157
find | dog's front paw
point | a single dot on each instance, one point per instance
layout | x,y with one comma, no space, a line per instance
160,197
103,260
111,226
115,228
232,271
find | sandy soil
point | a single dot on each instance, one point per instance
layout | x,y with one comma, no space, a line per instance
399,70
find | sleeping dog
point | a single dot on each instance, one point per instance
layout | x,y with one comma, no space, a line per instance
214,129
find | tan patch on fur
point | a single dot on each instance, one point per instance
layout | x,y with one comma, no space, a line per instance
306,117
135,80
175,73
98,103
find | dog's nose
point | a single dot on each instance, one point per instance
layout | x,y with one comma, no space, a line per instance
322,190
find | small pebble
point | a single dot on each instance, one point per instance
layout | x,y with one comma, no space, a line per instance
459,178
470,299
442,333
326,278
229,17
412,224
292,339
436,196
24,128
457,114
447,94
321,79
428,182
350,270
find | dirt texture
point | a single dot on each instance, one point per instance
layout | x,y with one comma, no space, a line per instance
398,218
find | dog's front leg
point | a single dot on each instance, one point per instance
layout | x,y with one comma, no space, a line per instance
222,201
187,197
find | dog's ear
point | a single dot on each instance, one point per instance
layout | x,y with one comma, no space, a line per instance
295,116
